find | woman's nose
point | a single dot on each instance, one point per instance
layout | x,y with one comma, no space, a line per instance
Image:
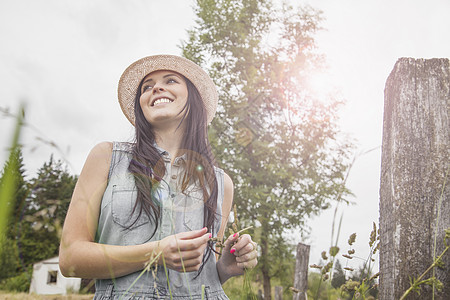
157,88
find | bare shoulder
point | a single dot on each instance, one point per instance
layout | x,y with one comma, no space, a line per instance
228,192
103,149
99,159
228,182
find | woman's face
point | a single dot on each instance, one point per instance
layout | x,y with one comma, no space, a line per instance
163,97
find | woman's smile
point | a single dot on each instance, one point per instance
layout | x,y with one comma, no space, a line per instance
161,101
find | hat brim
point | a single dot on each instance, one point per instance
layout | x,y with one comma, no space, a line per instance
133,75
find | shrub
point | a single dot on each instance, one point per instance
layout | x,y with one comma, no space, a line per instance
19,283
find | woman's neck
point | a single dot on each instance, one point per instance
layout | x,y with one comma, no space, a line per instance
170,140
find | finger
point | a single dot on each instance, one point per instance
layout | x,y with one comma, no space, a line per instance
195,243
248,265
192,254
188,235
247,257
192,263
250,247
243,242
230,241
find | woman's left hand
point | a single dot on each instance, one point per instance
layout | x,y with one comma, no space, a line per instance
239,253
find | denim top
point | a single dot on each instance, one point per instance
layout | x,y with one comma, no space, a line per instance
117,225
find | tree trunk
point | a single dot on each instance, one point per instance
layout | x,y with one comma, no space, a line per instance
415,156
301,271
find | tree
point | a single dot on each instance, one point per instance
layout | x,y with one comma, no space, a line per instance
47,204
339,275
271,134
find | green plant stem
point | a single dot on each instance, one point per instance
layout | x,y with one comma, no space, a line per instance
146,269
9,180
247,228
167,276
316,297
418,281
437,224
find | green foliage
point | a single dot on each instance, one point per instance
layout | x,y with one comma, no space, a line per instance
38,210
233,287
9,180
339,276
45,211
272,135
12,190
19,283
9,261
319,290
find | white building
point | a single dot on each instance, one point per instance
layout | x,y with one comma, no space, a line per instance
47,279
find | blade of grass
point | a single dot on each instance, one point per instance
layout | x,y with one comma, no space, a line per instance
146,269
167,276
9,181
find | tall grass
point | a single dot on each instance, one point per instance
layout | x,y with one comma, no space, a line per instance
9,180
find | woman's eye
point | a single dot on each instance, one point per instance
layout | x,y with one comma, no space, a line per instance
146,88
171,80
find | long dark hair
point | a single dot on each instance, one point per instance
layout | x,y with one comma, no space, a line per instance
148,169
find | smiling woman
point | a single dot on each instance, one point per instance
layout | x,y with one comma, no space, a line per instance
159,200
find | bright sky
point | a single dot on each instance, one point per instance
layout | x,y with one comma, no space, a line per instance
64,59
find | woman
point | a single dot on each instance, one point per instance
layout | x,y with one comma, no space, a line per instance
160,198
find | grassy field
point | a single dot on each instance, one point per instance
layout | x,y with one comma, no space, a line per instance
25,296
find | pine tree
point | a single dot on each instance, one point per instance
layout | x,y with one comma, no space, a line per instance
275,139
47,205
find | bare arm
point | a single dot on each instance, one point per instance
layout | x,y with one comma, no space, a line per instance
81,256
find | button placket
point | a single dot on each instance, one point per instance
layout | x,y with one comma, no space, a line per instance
167,202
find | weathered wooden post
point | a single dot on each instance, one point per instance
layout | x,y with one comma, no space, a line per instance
414,167
301,271
278,292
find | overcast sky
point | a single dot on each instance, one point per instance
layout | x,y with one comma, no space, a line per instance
64,59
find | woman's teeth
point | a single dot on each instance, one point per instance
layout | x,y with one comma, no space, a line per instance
161,100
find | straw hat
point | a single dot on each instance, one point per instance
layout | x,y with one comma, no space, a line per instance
133,75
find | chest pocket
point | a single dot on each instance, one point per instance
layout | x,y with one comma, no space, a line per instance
122,204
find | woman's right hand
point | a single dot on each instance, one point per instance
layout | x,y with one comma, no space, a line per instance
185,248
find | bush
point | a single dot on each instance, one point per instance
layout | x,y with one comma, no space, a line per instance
19,283
8,259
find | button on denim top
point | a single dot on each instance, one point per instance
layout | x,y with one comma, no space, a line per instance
117,225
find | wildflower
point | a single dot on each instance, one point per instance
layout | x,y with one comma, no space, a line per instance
327,267
348,269
374,276
325,277
373,235
315,266
347,256
352,251
334,251
349,286
324,255
352,239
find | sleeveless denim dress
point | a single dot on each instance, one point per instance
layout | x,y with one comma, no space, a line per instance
180,212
